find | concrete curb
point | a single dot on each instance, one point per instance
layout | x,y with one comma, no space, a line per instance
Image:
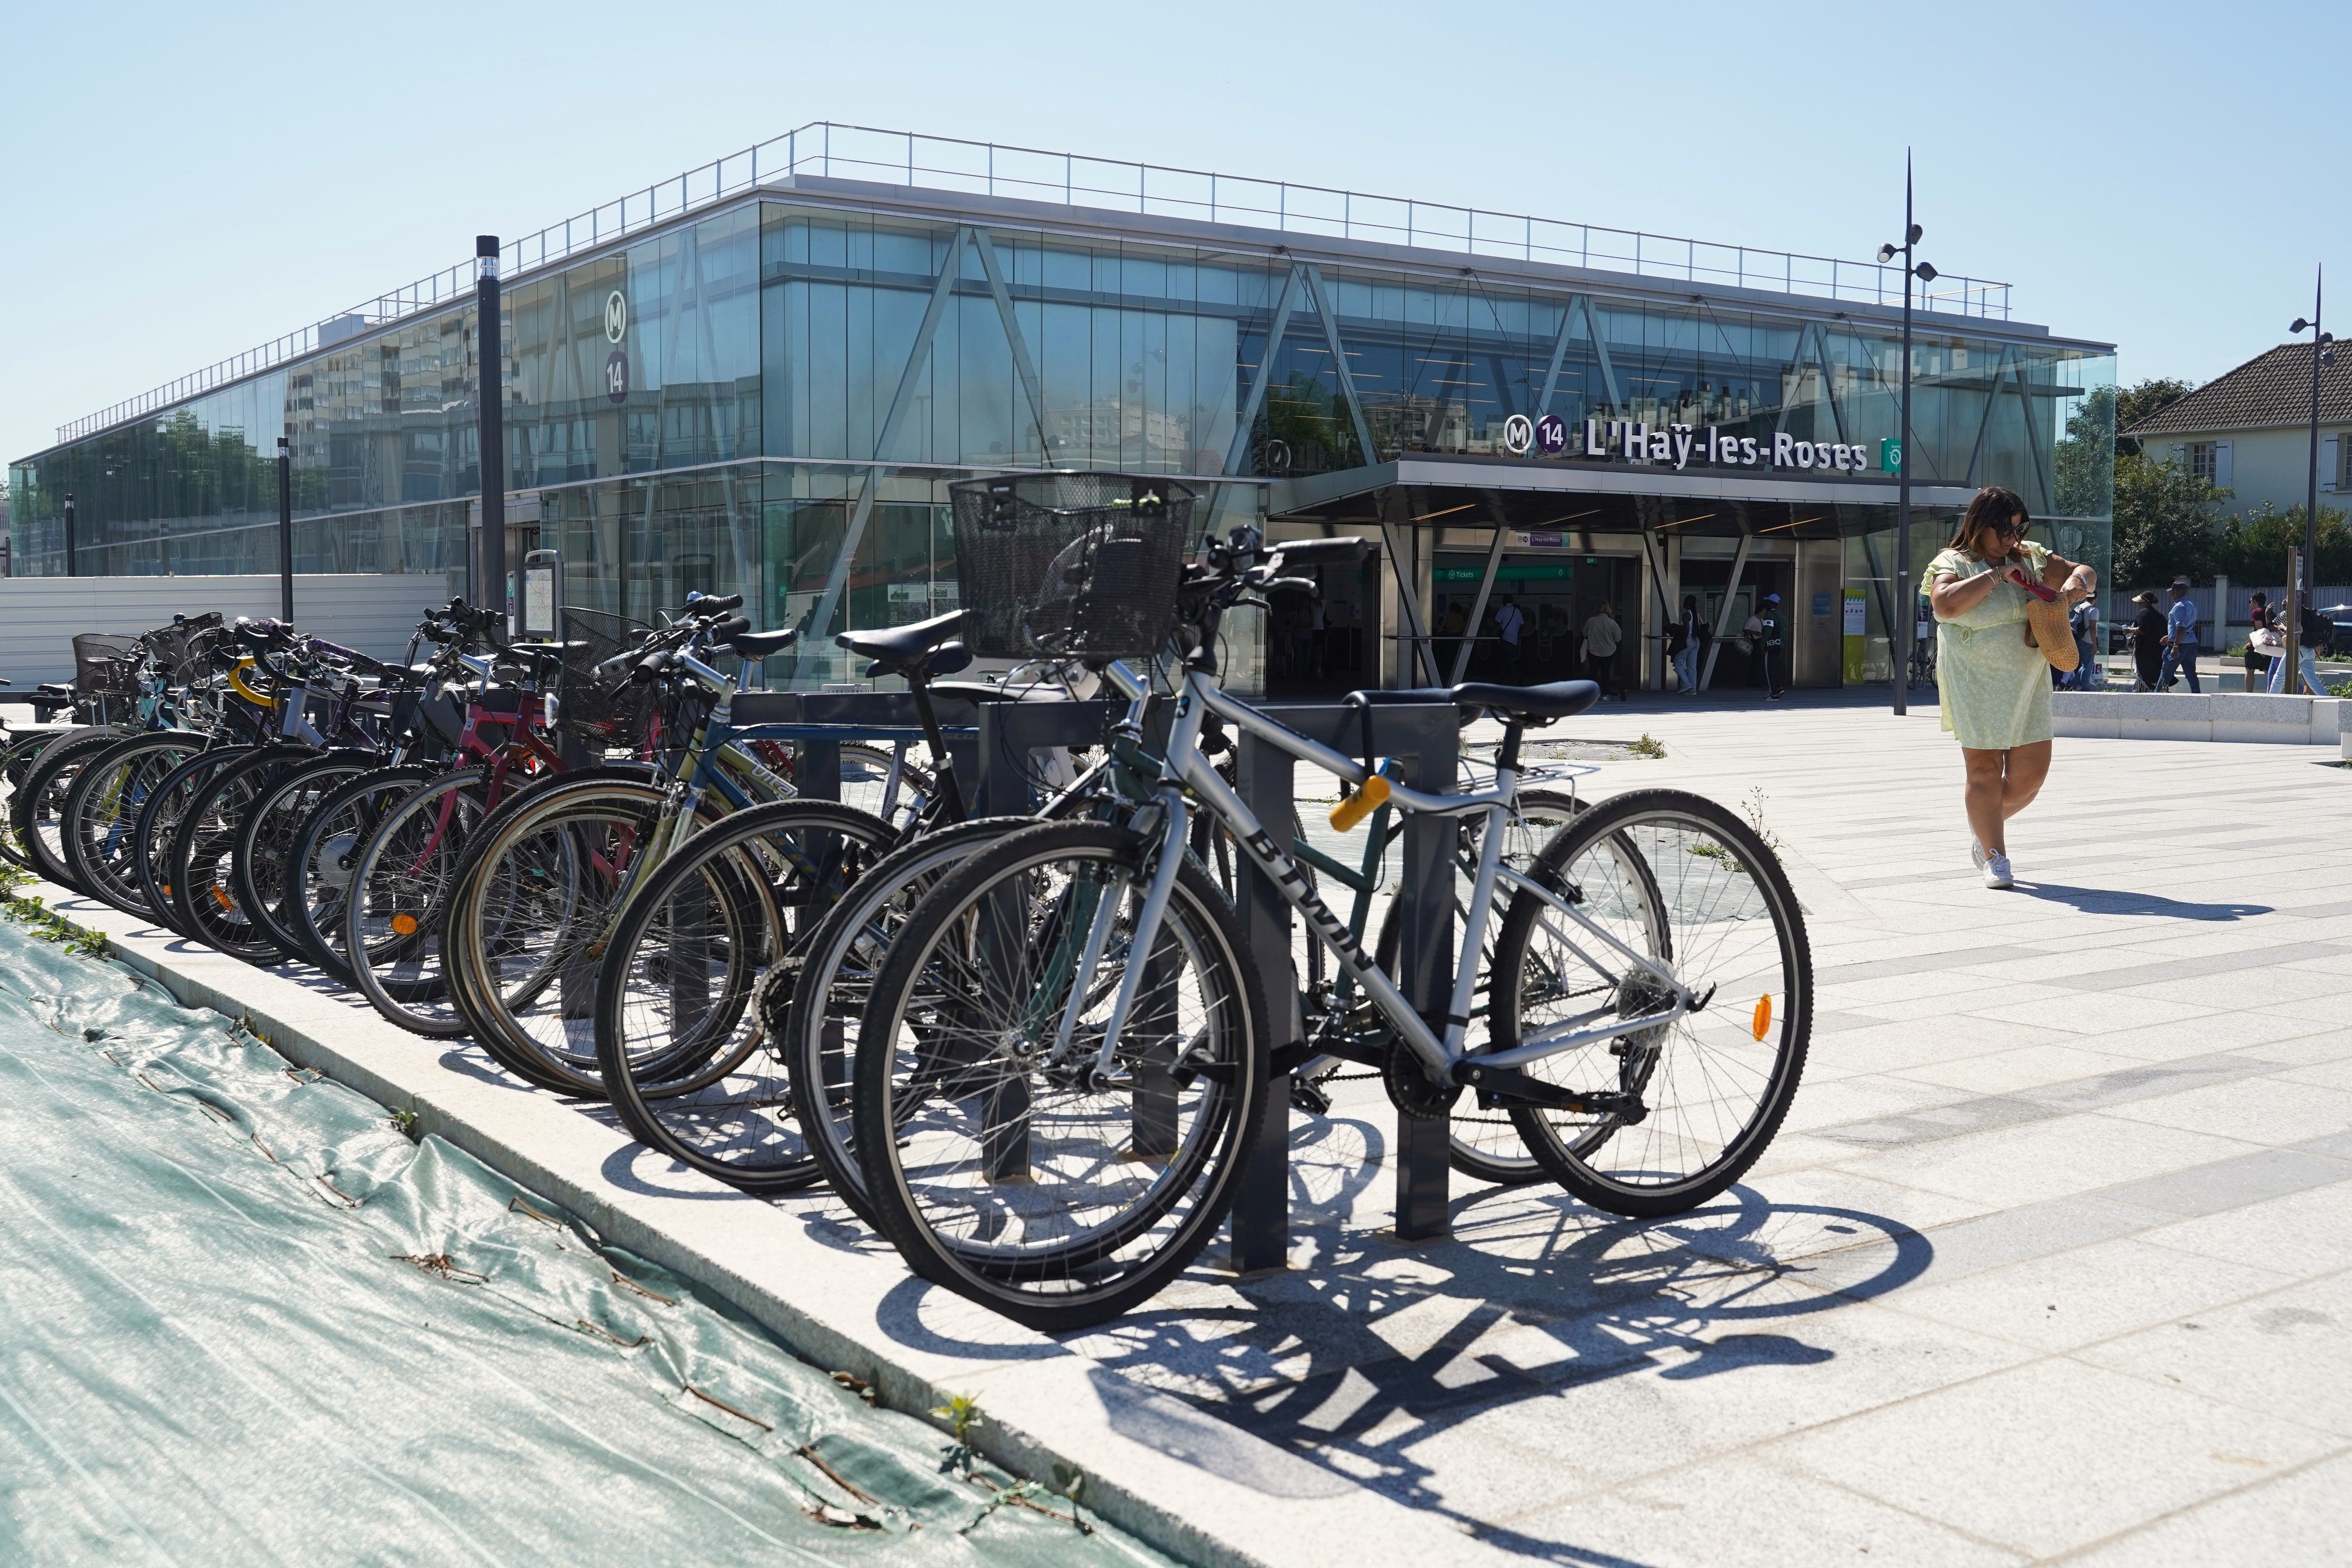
1181,1480
2254,717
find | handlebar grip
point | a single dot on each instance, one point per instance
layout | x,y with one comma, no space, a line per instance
732,627
651,667
709,603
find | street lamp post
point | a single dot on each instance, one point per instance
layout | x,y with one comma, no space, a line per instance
285,533
69,534
2307,578
490,432
1908,611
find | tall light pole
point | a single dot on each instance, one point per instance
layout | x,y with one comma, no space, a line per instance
285,533
491,432
2320,355
69,534
1907,611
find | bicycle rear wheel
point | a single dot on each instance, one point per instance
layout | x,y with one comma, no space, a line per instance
325,855
1001,1173
159,826
37,812
815,1029
101,813
398,902
1712,906
265,840
204,846
678,1040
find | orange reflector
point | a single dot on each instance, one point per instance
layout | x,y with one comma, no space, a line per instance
1762,1022
221,897
404,925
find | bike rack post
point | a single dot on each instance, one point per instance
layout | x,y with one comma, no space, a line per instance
1429,739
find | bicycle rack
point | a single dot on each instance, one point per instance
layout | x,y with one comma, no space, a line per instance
992,755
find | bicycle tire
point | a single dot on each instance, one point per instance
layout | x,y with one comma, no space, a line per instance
159,820
326,851
1158,1224
15,762
264,837
101,812
540,865
203,890
401,879
37,812
678,1096
1607,1164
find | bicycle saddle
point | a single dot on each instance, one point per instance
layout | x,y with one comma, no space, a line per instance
1552,700
927,648
760,645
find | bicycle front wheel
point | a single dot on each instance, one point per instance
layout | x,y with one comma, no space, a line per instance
1685,883
999,1167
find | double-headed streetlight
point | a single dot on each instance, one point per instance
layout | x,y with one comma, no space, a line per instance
2320,355
1909,612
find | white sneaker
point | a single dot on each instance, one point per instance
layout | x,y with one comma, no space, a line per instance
1976,853
1995,871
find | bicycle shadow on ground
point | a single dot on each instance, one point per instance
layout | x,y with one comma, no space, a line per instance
1356,1365
2120,902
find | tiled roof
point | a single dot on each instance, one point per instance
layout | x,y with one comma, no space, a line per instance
2271,388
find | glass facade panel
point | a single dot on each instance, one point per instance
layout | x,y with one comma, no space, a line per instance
702,407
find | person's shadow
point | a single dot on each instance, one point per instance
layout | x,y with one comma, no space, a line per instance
2117,902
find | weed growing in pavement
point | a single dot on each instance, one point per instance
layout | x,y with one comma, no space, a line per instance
44,921
1648,746
1752,808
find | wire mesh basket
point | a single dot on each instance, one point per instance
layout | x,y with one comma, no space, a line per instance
106,664
1070,565
606,707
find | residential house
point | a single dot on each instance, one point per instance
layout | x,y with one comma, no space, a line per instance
2248,431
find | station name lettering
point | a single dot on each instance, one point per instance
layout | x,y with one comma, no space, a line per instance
1680,444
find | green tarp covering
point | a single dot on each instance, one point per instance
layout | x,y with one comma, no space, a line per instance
244,1318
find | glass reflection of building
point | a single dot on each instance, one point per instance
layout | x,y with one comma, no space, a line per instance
765,408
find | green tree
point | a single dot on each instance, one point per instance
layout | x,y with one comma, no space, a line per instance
2137,401
2168,524
2253,549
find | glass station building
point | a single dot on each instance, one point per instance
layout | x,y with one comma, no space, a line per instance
761,377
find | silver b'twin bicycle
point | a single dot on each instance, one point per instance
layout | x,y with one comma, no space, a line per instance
1065,1058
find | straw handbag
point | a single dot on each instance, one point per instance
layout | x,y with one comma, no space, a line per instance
2047,627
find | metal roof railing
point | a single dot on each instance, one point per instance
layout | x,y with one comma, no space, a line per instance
947,162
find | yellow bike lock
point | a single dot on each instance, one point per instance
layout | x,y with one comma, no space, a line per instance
1367,800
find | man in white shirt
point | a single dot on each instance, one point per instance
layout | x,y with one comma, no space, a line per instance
1602,637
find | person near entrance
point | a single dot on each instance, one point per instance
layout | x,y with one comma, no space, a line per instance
1752,643
1449,628
1773,639
1510,625
1994,682
2180,640
1602,636
1693,631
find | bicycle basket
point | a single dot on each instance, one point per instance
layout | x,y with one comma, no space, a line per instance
106,664
607,708
1070,565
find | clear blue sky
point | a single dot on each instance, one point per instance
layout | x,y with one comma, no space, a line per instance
184,182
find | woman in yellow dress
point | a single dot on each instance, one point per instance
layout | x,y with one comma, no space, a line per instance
1994,682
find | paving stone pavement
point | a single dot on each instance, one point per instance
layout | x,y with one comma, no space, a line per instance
2054,1258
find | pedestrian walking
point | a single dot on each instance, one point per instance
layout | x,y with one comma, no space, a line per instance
1752,643
2084,624
2180,640
1602,637
2148,631
1692,630
1995,697
1775,644
2314,634
2262,641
